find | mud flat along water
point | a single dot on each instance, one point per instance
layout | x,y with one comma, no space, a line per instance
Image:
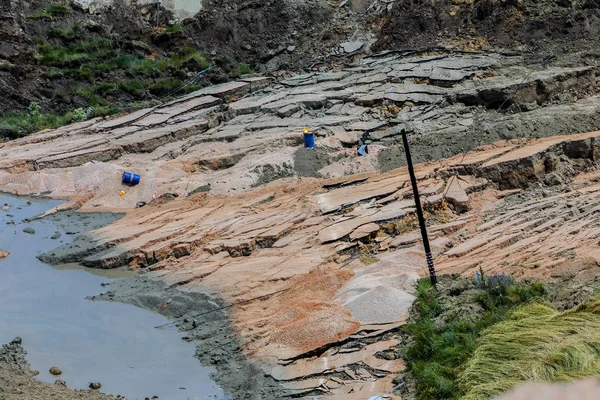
90,341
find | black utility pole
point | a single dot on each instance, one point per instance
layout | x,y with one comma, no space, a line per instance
413,180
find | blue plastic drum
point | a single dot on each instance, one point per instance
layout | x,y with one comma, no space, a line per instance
130,178
309,140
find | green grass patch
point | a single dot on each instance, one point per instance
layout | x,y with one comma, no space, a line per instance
52,10
93,99
40,14
244,69
59,9
65,33
54,73
173,29
443,340
53,55
19,123
14,124
163,86
188,54
536,343
132,87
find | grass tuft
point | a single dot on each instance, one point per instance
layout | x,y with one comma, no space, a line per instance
244,69
443,340
50,11
536,344
173,29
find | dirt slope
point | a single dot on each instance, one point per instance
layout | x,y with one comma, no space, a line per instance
64,58
308,265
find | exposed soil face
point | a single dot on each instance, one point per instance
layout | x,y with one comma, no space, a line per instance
299,287
262,33
349,241
521,25
64,58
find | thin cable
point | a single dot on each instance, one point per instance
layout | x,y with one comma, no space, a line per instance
192,81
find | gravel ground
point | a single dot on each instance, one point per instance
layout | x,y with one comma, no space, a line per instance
17,380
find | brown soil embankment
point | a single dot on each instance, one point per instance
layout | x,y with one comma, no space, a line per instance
307,278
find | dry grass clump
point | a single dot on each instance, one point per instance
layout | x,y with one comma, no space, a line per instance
536,343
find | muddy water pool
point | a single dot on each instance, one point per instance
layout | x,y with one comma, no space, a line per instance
112,343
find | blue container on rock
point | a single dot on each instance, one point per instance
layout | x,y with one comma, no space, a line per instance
130,178
309,140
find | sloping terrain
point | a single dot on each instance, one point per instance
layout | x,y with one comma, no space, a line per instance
313,253
61,62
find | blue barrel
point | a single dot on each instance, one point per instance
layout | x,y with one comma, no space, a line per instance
130,178
309,140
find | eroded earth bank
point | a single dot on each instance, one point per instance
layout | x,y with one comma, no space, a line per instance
293,270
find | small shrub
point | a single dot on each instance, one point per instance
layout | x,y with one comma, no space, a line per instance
79,114
244,69
35,109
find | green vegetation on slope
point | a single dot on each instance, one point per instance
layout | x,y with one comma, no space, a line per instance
51,11
444,337
15,122
536,343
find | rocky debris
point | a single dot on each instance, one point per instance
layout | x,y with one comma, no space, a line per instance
4,254
457,196
29,230
95,385
18,381
13,354
55,370
348,48
365,232
56,236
